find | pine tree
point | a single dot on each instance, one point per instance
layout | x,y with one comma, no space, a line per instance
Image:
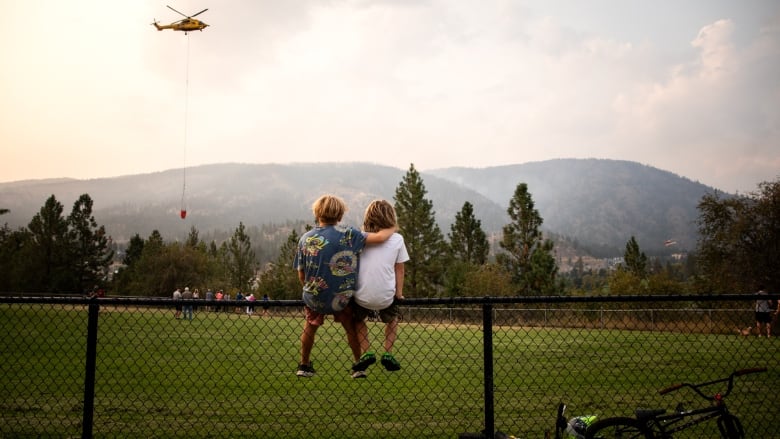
240,259
527,256
468,241
280,280
424,240
49,231
90,253
192,238
635,261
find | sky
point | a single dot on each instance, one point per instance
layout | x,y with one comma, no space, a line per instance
90,89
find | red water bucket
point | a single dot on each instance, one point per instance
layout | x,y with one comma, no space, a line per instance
183,214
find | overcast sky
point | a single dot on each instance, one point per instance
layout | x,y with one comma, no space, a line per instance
89,88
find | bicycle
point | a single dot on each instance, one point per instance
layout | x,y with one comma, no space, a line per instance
651,424
562,427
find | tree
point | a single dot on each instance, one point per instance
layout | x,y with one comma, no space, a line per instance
240,259
468,250
634,260
134,250
739,240
423,238
192,238
527,256
280,279
90,253
468,241
49,250
15,256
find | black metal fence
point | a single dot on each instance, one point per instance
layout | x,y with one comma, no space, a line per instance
121,367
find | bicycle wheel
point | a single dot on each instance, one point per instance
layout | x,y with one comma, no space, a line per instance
618,428
730,427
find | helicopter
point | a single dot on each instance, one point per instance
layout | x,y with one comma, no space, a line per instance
187,24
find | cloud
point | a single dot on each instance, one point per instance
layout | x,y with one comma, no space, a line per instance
436,83
712,110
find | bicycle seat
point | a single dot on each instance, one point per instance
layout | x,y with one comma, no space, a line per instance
643,414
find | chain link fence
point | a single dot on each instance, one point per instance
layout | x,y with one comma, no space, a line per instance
124,367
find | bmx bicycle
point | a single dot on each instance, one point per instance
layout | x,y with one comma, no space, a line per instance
655,423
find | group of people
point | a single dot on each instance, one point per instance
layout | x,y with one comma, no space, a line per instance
184,302
350,274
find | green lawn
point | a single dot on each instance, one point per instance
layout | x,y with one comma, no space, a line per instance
233,375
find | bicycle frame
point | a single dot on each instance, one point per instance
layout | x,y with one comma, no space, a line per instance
729,425
668,425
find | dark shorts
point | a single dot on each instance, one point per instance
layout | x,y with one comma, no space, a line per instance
316,319
386,315
764,317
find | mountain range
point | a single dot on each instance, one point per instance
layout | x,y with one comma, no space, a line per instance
596,205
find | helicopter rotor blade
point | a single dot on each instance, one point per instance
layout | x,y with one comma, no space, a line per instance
174,10
199,13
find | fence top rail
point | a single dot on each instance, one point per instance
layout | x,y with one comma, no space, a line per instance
487,300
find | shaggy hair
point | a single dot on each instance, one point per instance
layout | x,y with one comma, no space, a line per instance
379,215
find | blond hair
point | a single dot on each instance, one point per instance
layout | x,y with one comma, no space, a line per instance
379,215
329,209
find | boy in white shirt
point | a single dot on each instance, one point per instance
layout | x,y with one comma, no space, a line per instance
380,283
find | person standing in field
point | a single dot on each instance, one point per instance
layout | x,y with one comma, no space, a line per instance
187,298
764,315
177,298
220,296
380,283
250,309
209,297
327,265
265,304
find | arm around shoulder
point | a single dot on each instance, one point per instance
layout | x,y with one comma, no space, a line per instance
380,236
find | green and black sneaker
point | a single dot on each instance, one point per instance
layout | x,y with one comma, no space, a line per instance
390,363
366,360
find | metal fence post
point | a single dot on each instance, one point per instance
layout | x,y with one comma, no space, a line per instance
487,341
89,373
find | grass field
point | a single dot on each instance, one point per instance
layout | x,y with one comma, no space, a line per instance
226,374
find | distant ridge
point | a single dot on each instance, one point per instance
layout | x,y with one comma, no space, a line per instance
598,203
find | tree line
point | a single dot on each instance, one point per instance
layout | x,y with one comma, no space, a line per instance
736,252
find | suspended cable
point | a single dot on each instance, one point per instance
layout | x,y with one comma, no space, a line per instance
183,211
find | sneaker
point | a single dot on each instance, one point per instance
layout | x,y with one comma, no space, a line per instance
305,370
359,374
390,363
366,360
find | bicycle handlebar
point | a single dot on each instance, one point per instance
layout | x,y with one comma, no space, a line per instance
730,379
671,388
749,371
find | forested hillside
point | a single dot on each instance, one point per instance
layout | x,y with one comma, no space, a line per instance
599,204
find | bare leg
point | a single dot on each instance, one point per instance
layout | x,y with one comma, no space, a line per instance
352,337
362,332
307,342
391,333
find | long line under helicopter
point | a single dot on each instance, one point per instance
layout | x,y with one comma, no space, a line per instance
183,210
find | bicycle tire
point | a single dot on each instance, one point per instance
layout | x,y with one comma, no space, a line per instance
730,427
618,428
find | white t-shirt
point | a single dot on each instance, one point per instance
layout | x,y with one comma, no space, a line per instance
376,276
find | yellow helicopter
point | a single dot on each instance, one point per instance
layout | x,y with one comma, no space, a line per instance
187,24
